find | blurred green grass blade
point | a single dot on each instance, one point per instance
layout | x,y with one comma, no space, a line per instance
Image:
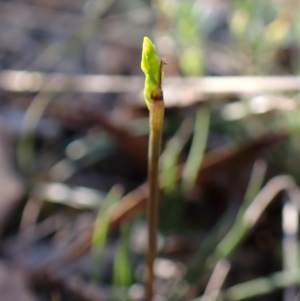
122,269
255,183
169,158
194,160
101,229
98,245
195,267
239,229
122,274
213,243
260,286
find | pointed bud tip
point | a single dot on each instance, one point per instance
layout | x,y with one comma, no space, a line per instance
147,43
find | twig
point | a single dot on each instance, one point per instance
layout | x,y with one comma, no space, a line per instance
177,90
216,281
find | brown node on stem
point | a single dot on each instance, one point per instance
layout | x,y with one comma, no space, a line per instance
157,95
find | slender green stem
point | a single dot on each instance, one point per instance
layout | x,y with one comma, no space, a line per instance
151,65
156,123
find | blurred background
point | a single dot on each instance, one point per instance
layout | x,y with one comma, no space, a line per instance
74,141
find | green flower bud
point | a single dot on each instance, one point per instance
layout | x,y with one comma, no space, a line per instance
150,65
